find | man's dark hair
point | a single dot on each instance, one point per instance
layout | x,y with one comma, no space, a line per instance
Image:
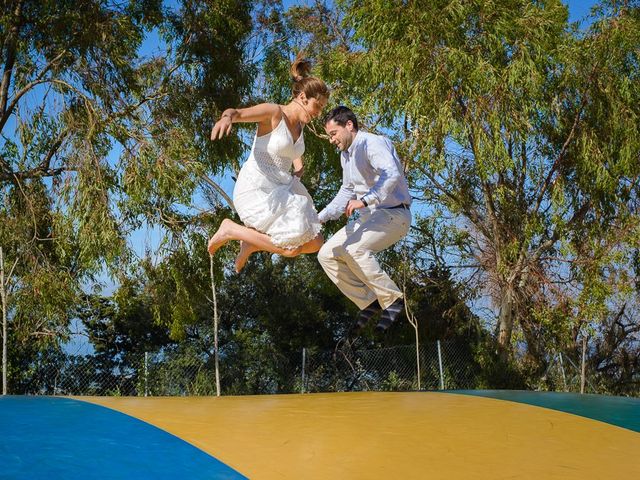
341,115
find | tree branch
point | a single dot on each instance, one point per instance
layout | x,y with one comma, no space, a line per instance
11,57
7,111
219,190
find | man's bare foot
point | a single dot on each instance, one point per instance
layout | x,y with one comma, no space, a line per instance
246,249
221,237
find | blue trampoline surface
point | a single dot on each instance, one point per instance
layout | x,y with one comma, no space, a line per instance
60,438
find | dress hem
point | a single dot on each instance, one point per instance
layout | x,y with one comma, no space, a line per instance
307,237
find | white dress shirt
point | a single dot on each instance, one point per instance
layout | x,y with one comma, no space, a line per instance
372,172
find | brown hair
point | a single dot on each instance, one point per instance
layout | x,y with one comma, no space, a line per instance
312,87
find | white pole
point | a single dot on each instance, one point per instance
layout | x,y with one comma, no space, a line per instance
215,326
414,323
440,363
146,383
3,295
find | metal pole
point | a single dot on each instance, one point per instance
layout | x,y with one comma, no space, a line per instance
584,354
440,364
304,361
4,323
146,384
418,360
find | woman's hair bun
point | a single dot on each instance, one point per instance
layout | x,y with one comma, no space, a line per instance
304,82
301,68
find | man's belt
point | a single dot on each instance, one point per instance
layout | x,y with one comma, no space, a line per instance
402,205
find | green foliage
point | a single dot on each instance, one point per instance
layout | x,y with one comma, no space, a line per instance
99,138
516,126
516,130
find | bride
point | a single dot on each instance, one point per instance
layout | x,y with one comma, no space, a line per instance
276,209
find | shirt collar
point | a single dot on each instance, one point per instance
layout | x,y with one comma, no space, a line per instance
354,144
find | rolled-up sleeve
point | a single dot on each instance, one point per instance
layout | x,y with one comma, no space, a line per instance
336,207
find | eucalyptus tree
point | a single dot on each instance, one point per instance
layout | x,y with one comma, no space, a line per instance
104,109
521,129
63,67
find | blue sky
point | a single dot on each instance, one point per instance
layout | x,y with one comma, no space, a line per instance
578,9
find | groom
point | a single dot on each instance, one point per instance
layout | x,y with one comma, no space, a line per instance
374,184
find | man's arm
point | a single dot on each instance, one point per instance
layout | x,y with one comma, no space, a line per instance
337,206
381,155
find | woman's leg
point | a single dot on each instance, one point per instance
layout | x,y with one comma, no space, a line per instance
256,241
247,249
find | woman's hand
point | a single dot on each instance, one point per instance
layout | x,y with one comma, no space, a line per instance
222,128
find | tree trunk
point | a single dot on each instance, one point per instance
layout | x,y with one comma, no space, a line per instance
505,320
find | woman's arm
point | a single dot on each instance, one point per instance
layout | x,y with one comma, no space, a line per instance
298,167
265,114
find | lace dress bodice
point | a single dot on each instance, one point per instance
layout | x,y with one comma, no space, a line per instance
275,151
271,200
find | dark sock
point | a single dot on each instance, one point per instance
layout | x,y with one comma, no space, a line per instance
390,315
367,314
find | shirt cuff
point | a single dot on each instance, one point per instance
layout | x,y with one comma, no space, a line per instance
370,200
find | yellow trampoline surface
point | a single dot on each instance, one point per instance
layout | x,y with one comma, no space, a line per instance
369,435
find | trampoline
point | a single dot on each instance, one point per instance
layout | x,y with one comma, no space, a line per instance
356,435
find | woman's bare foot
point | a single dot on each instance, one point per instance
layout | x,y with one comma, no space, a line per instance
221,237
246,249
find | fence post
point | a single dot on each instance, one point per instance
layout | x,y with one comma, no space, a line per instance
3,300
584,354
440,364
418,363
146,385
304,360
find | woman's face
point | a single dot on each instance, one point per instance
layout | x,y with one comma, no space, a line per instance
314,106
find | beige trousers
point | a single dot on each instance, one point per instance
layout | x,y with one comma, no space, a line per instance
349,261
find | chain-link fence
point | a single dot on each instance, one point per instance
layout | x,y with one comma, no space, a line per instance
436,365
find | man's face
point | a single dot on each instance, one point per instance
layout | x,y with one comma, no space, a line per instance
341,137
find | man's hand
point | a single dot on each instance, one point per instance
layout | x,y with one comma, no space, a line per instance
352,206
221,128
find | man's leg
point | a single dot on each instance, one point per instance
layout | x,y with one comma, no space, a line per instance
366,314
331,258
390,315
377,232
348,259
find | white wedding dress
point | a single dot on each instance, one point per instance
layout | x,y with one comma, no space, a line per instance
271,200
